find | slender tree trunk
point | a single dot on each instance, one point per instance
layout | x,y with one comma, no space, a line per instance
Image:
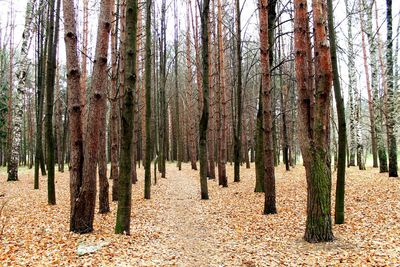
147,177
163,105
341,171
59,122
205,113
269,170
352,87
22,74
375,91
259,145
177,113
114,114
125,181
369,91
75,111
391,103
222,178
191,108
238,128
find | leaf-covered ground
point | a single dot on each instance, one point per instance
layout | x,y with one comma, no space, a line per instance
175,227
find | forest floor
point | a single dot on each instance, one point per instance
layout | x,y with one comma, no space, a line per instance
176,228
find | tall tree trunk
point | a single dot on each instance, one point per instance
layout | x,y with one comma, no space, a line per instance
269,169
314,118
163,105
238,125
75,111
125,181
391,103
59,122
222,178
352,87
205,113
190,90
87,200
341,171
147,177
22,74
177,114
375,90
369,91
114,114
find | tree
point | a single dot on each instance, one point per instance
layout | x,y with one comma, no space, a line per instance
314,117
205,84
391,103
22,74
269,169
238,125
40,90
341,168
369,91
114,114
147,178
75,113
50,81
85,203
125,181
163,102
222,178
378,120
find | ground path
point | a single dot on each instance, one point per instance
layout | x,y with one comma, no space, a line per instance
176,228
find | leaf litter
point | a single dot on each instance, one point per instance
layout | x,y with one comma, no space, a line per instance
176,228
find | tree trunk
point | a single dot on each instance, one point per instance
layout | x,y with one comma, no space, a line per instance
191,108
75,111
19,96
125,181
314,118
340,182
269,169
87,200
238,126
114,114
222,178
204,116
104,203
375,91
352,87
369,91
259,145
147,177
391,103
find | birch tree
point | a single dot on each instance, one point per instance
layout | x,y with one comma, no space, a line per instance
22,74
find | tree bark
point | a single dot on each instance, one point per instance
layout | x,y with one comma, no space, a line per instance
391,103
205,113
314,118
341,168
147,177
87,197
269,169
75,113
238,126
19,96
125,181
114,114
